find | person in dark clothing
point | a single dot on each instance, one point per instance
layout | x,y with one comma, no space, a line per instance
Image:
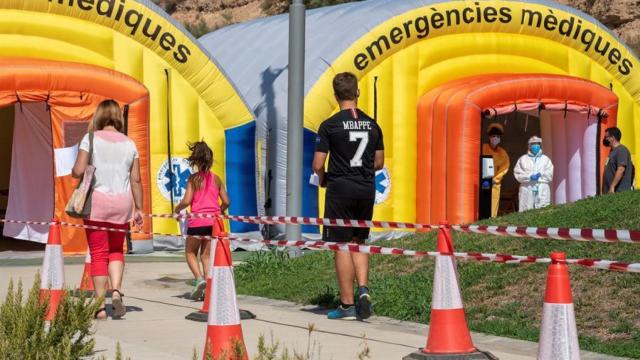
354,141
619,171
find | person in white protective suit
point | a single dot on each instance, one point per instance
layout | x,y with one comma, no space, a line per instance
534,172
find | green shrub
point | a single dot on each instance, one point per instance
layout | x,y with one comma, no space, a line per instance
199,27
170,6
25,335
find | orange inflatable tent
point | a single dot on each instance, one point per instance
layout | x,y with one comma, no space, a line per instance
449,135
65,95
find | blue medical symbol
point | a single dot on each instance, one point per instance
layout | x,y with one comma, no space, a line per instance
379,179
183,176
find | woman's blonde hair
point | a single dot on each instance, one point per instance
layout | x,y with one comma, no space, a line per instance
108,113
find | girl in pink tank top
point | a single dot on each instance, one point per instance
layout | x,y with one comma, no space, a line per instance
205,195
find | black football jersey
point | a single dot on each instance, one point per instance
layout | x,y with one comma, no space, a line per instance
351,138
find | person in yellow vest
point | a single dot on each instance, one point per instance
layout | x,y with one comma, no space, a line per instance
500,163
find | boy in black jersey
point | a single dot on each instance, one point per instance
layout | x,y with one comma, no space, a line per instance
354,141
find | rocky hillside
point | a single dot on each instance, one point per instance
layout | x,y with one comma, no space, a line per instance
202,16
622,16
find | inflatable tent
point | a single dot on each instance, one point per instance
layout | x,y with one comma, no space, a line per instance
59,58
536,66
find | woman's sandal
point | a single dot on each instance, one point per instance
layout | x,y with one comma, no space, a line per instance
118,307
95,315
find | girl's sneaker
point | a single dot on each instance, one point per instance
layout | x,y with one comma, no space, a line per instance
198,290
341,313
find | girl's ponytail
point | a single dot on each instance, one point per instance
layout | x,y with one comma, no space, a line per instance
202,158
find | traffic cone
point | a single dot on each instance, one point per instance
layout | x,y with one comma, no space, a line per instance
448,332
218,230
52,274
202,315
86,283
224,332
558,333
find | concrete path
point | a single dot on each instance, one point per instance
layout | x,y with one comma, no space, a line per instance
155,328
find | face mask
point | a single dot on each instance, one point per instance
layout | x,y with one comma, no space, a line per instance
494,140
535,149
606,142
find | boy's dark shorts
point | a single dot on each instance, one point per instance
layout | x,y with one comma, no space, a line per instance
200,231
348,209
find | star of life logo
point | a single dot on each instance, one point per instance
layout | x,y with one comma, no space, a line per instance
174,179
383,185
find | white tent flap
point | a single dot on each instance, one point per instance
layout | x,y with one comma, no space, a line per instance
31,182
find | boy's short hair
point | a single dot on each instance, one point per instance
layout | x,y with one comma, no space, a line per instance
345,86
615,132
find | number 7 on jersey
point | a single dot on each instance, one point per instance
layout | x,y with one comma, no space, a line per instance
363,136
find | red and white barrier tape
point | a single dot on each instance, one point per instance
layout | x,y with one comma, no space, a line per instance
602,235
374,249
469,256
298,220
606,265
81,226
48,223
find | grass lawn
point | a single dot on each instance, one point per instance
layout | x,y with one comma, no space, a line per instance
500,299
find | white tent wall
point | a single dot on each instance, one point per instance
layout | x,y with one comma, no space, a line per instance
6,136
573,158
31,182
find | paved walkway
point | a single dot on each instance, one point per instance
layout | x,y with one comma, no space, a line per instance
155,328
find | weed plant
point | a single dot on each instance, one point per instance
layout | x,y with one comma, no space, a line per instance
25,335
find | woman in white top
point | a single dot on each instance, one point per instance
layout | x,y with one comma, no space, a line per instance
117,189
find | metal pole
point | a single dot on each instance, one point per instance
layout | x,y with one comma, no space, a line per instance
295,111
169,160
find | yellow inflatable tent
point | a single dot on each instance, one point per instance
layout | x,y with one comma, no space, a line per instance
401,52
188,98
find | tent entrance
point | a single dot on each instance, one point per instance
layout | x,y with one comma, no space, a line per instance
575,112
570,138
52,103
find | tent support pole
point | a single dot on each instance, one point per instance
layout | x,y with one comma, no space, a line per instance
295,113
169,160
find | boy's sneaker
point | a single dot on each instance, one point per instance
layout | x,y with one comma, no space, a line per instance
198,290
341,313
363,307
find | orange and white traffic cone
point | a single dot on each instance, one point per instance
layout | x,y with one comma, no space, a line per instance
202,315
558,332
224,332
86,282
52,273
448,332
